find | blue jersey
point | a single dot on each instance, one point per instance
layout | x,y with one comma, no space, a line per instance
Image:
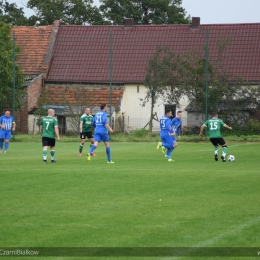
99,122
176,125
7,122
165,125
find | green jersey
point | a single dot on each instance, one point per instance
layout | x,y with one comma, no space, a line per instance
48,126
214,125
86,122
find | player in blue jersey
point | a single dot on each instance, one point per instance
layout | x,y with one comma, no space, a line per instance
166,134
101,132
176,126
7,125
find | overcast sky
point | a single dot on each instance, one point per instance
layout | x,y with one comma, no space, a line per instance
209,11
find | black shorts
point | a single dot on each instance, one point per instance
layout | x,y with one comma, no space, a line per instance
83,135
46,141
217,141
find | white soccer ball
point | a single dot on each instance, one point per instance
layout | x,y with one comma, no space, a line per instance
231,158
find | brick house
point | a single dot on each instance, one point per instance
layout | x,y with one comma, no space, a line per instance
36,48
79,63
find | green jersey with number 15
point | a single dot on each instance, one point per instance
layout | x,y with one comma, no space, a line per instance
214,125
48,126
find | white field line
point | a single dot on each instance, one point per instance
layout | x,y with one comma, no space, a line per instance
211,241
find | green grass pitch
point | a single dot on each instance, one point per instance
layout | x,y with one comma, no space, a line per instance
141,201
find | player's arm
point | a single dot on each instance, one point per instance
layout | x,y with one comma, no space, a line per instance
169,127
14,125
201,130
57,132
41,127
109,128
179,132
94,122
228,127
1,126
104,122
80,126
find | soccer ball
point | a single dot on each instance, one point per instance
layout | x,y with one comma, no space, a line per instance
231,158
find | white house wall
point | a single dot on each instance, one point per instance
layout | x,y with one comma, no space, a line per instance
32,125
136,116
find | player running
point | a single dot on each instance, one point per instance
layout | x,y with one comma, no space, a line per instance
166,134
101,132
176,128
48,128
7,125
214,125
85,130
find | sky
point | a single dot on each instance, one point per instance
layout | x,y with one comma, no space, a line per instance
209,11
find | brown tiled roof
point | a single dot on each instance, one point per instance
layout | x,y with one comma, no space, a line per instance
78,95
81,53
34,42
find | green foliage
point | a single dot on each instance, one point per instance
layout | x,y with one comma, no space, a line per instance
42,110
7,68
11,14
67,11
250,128
140,133
160,79
144,11
253,126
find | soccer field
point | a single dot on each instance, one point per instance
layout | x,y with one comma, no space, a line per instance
141,201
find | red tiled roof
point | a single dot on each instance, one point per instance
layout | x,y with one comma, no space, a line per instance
81,53
90,96
34,42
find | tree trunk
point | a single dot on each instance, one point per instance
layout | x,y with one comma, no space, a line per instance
151,116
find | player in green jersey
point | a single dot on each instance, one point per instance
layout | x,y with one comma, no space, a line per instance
214,125
85,130
48,128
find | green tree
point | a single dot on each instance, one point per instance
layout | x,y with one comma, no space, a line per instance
226,93
6,69
67,11
160,79
11,14
144,11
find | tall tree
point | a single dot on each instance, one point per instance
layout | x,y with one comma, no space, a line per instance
67,11
11,14
159,78
144,11
7,68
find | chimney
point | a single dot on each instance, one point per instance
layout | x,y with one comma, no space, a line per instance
195,23
128,22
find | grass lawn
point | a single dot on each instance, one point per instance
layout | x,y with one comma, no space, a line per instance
141,201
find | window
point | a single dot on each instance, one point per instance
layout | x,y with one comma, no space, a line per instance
172,108
62,124
137,89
